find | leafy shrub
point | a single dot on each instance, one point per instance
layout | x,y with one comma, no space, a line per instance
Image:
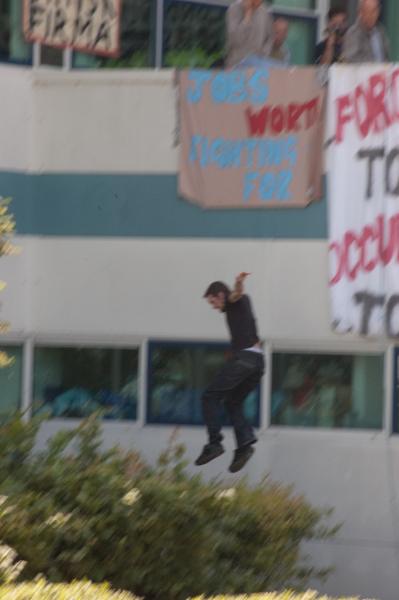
159,533
10,568
191,58
280,596
41,590
137,60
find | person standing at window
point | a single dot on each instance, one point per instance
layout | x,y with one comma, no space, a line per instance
329,50
366,41
237,378
280,51
249,31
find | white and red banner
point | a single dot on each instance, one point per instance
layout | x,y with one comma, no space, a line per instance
363,192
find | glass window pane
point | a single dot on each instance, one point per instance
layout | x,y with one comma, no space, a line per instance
323,390
136,41
50,56
13,47
10,381
194,34
178,374
75,382
301,40
310,4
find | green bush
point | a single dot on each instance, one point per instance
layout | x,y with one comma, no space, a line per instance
75,512
280,596
191,58
41,590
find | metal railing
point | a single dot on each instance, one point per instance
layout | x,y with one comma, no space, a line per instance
150,45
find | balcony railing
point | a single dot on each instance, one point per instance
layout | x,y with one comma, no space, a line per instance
166,33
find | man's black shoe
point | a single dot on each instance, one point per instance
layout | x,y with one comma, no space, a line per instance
209,452
241,457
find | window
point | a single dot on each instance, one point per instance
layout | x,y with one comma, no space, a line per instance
301,39
327,390
136,39
75,382
13,47
11,381
295,4
178,373
193,34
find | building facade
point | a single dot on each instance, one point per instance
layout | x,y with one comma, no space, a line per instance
106,304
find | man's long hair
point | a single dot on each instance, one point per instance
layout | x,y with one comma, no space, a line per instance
215,288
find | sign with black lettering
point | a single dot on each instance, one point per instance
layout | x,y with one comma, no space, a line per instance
86,25
363,194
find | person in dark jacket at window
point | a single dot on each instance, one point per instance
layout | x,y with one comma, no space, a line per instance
237,378
329,50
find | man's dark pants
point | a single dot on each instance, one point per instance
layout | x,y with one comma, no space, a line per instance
237,378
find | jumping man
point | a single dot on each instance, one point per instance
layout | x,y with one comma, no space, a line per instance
237,378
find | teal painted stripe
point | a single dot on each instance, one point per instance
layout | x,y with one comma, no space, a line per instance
141,206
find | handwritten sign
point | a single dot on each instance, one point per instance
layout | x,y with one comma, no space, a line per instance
251,138
86,25
363,186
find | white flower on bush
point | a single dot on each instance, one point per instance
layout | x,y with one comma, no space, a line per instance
131,497
5,511
9,569
58,520
226,494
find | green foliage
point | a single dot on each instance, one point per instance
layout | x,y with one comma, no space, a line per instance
137,60
7,230
194,58
75,511
309,595
80,590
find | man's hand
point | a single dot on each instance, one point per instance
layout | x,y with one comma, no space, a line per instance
238,287
248,10
240,278
332,39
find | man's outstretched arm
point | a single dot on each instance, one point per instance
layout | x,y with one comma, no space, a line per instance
238,290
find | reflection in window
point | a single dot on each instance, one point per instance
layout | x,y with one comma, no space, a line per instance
13,47
295,4
75,382
178,374
332,391
136,39
10,381
194,34
301,39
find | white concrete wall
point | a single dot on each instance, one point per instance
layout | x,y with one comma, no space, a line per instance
154,287
111,290
55,121
16,118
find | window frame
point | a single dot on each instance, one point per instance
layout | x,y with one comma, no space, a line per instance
352,347
318,14
222,344
85,342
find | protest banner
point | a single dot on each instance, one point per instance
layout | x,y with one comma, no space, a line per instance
363,199
251,138
85,25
